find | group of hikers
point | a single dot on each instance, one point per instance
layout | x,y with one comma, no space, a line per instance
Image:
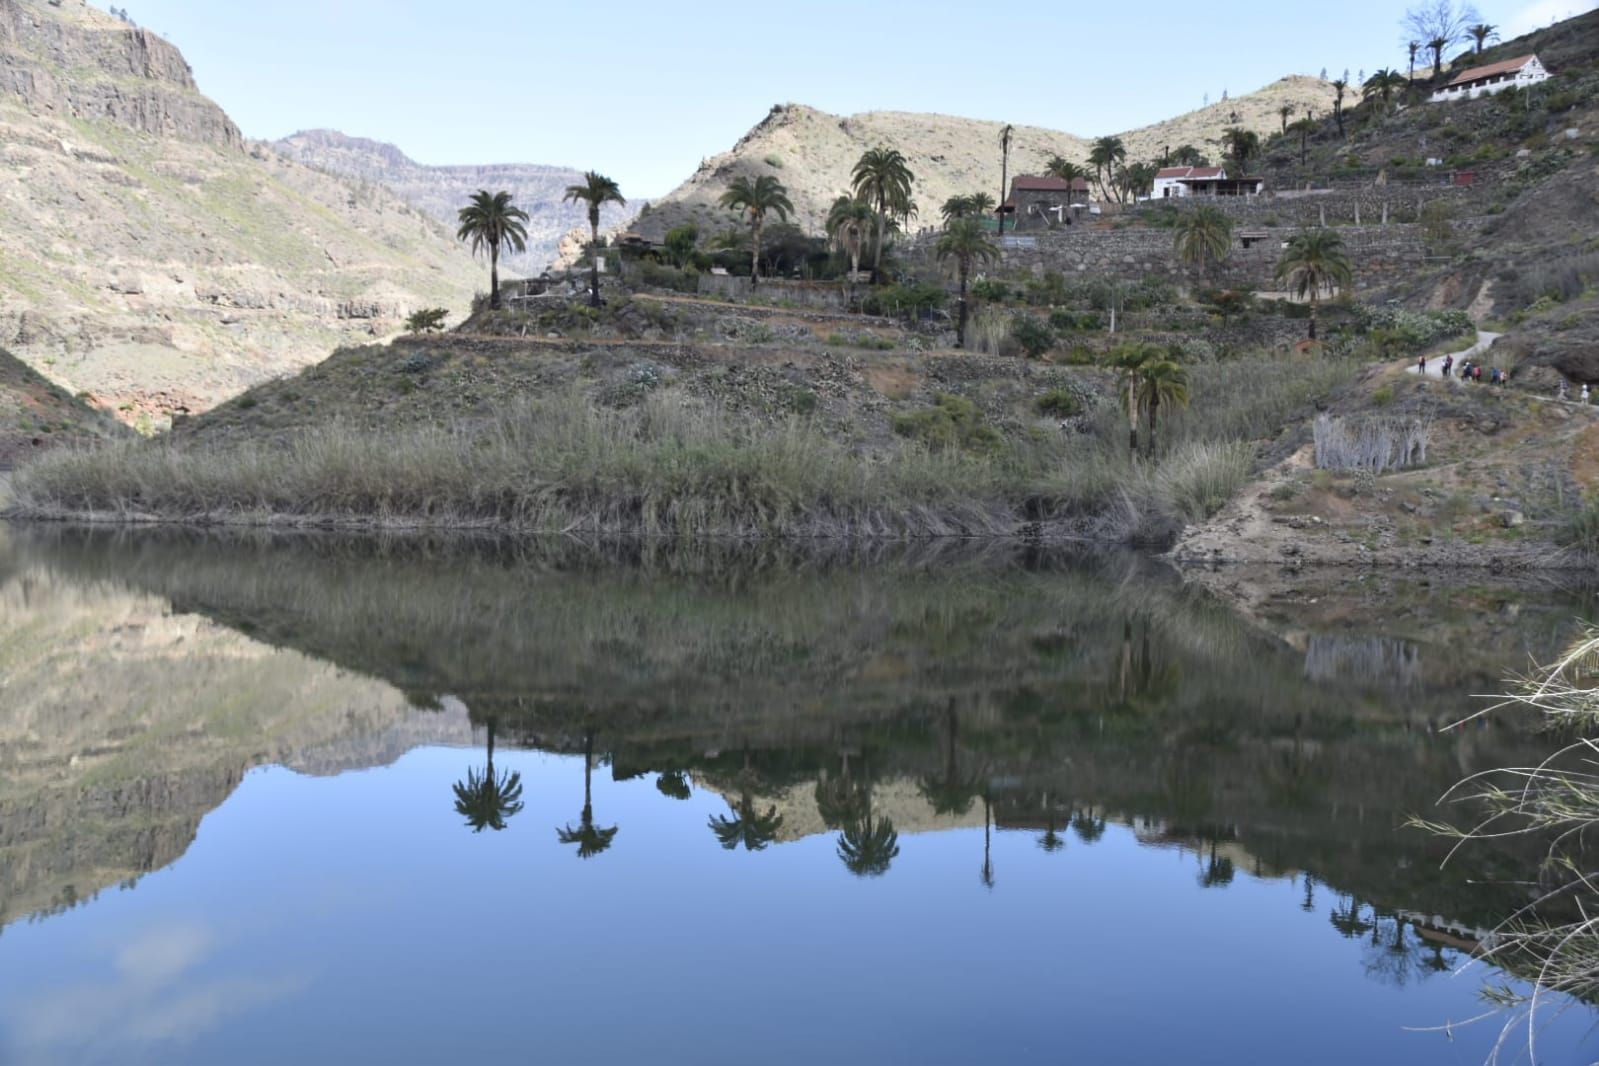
1470,371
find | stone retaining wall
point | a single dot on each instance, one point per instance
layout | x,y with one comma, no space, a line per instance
826,296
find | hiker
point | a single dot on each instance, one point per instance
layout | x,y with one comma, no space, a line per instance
1584,392
1565,390
1493,375
1449,364
1424,366
1476,374
1465,370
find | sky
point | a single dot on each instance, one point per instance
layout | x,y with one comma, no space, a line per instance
644,91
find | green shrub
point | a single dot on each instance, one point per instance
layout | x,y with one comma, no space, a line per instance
952,421
1033,336
991,290
1060,403
426,320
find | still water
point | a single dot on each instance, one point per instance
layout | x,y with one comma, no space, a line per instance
317,800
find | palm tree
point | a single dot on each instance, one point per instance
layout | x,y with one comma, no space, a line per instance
1088,826
1160,381
1128,361
756,199
1313,261
882,178
1004,169
590,839
965,242
1383,85
486,800
596,191
673,784
1107,154
1188,156
1413,47
986,875
746,825
1066,171
1339,88
490,221
1139,179
848,222
1304,127
1482,33
1436,46
1285,112
1203,236
953,792
1241,144
868,846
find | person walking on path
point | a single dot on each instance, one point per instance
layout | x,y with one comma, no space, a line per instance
1476,374
1585,393
1424,366
1449,364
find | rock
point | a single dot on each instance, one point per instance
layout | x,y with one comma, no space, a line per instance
1512,519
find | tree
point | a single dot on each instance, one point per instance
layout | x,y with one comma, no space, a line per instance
1383,85
953,792
590,839
1304,127
867,846
1128,361
486,800
1105,157
1139,179
673,784
1285,112
964,242
680,243
1481,33
490,221
1439,23
1203,236
1160,381
596,191
1242,145
746,825
426,320
1004,169
1339,88
848,222
1313,261
1412,47
756,199
1189,156
882,178
1066,171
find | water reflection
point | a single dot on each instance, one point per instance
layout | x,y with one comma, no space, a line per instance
886,710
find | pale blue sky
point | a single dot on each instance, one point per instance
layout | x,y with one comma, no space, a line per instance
643,91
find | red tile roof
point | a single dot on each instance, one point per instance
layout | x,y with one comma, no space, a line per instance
1508,66
1042,183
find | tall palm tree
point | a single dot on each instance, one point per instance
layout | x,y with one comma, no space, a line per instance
1339,88
1160,381
883,179
1105,157
1188,156
1203,236
1304,127
1313,261
1383,84
1139,179
1413,47
596,191
1005,136
1436,46
964,242
1241,144
1285,112
1128,360
486,800
490,221
848,222
756,199
1482,33
746,825
1066,171
956,207
590,839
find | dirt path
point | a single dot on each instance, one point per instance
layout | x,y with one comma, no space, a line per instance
1435,365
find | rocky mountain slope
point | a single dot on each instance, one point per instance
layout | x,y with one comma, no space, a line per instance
35,413
812,152
439,192
153,260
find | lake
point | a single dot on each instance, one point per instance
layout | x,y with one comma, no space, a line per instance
319,799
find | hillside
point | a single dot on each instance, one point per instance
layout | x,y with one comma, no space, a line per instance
439,191
812,152
152,260
36,413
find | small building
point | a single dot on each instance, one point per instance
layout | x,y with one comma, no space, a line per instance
1169,181
1492,78
1037,200
1223,186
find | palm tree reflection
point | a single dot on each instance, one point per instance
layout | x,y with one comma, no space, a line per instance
590,839
486,800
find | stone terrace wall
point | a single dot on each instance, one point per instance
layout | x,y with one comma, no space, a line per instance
826,296
1340,206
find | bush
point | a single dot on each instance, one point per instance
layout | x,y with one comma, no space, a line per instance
1060,403
952,421
913,301
1034,337
426,320
990,290
1198,479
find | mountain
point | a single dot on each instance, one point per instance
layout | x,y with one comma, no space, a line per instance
153,260
439,192
35,412
812,152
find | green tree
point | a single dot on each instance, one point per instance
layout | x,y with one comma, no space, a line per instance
680,243
1067,171
1412,47
1285,112
756,199
1242,145
883,179
1314,260
1304,127
1188,156
486,800
1160,381
1383,85
1106,157
1340,87
673,784
952,792
1138,179
426,320
868,846
1481,33
491,222
746,825
590,839
1089,825
964,243
849,221
596,191
1202,237
1128,360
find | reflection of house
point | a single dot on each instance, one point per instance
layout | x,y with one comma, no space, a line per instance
1036,200
1492,78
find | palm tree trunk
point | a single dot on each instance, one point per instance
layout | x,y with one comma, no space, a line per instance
1154,405
960,325
1132,419
594,263
755,252
1004,182
1315,300
494,277
877,253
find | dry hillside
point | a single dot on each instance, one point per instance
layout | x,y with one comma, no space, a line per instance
153,260
440,191
812,152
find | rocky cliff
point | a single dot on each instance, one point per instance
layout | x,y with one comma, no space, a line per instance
439,192
151,259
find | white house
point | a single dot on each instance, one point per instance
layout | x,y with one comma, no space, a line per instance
1172,181
1492,78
